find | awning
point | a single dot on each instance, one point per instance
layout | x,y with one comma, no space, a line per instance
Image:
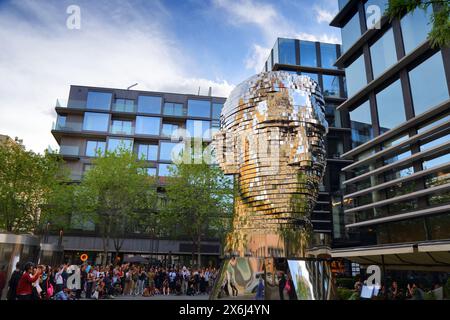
427,256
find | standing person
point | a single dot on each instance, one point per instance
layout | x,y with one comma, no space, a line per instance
24,289
89,283
172,280
141,281
59,279
2,279
281,285
13,282
184,282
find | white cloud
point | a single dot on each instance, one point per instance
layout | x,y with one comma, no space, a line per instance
39,60
323,15
257,57
271,23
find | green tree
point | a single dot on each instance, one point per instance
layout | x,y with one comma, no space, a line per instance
117,195
28,185
198,203
440,19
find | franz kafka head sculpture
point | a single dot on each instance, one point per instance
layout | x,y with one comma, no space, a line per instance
272,140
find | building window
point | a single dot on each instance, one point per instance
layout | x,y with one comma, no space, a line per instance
150,172
333,116
168,129
61,122
149,104
124,105
199,128
148,125
93,148
96,121
170,151
328,55
356,76
391,109
331,86
415,28
122,127
361,124
199,108
351,32
148,152
286,52
434,160
439,226
308,55
114,144
428,84
174,109
383,53
370,21
216,110
163,170
98,100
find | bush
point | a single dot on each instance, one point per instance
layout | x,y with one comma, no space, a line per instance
344,293
447,289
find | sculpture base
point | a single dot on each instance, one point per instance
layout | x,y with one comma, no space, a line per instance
274,279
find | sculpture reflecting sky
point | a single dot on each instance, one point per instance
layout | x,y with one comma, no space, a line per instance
272,139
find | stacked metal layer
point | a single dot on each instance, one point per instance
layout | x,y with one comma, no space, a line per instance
272,139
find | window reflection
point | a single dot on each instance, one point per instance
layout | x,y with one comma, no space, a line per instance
199,108
351,32
148,125
286,51
114,144
96,121
356,76
361,124
308,55
99,100
148,152
93,148
328,55
149,104
390,106
383,53
428,84
415,28
331,86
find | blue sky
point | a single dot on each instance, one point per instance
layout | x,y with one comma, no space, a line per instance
165,45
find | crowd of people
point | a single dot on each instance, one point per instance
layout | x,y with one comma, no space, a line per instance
36,282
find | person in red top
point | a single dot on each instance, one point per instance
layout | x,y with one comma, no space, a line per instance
24,289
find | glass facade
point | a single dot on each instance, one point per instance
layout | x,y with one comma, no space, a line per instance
415,28
168,129
169,151
149,104
328,55
286,51
199,128
308,55
199,108
372,18
331,86
93,148
148,125
428,84
124,105
383,53
122,127
216,110
163,170
148,152
391,109
174,109
96,121
350,32
356,76
361,124
114,144
98,100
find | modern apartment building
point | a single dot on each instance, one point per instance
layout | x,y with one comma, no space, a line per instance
316,60
96,119
397,188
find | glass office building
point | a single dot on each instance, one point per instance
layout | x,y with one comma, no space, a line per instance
97,119
397,188
316,60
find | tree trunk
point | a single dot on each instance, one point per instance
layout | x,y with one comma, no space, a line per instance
199,244
106,244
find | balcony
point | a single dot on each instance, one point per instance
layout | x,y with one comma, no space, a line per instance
121,129
70,151
68,126
72,104
124,107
